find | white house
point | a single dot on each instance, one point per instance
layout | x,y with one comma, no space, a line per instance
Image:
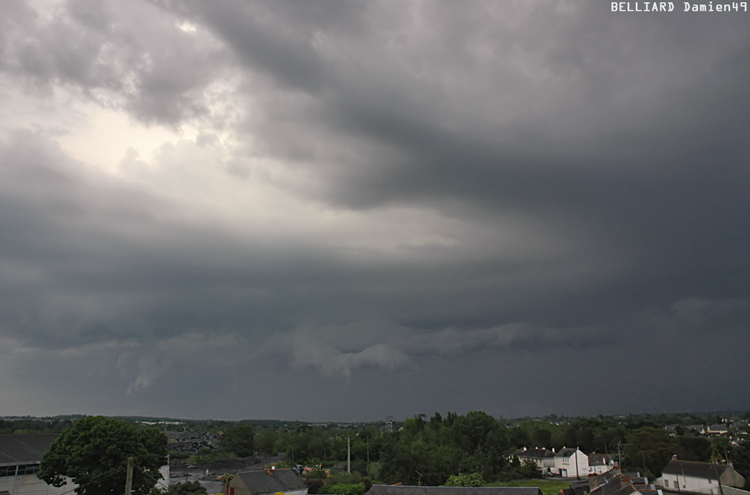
571,463
600,463
699,477
543,458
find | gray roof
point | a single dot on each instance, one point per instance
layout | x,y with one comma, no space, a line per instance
282,480
598,459
614,486
704,470
451,490
536,453
566,452
24,449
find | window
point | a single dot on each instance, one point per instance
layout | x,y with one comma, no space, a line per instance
25,469
7,471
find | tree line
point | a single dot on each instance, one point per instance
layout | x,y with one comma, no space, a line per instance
455,449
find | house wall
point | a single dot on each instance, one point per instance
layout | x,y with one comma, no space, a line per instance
544,463
569,465
237,487
730,477
701,485
599,469
690,484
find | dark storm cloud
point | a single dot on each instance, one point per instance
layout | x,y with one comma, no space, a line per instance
581,177
626,132
121,55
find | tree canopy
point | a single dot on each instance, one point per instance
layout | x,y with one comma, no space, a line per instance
94,453
427,453
239,440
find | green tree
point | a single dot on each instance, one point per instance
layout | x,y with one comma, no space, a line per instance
542,438
694,448
266,442
94,454
239,440
471,479
650,448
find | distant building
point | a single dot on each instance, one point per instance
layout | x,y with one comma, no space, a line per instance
267,483
696,429
717,430
20,457
699,477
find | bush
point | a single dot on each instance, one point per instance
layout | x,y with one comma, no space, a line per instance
344,489
313,485
473,479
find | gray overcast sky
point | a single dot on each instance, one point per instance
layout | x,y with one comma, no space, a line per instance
343,210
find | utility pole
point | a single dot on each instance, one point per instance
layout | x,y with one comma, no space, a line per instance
129,477
348,455
368,457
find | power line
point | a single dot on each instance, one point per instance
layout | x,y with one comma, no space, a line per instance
98,479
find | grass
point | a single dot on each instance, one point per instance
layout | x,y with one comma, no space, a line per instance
548,487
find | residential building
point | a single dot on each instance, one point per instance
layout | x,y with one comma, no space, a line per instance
717,430
699,477
570,463
20,457
622,484
600,463
543,458
267,483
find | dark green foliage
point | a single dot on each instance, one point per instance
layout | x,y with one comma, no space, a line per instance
94,453
542,438
472,479
239,440
313,485
694,448
650,449
428,453
265,441
530,469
